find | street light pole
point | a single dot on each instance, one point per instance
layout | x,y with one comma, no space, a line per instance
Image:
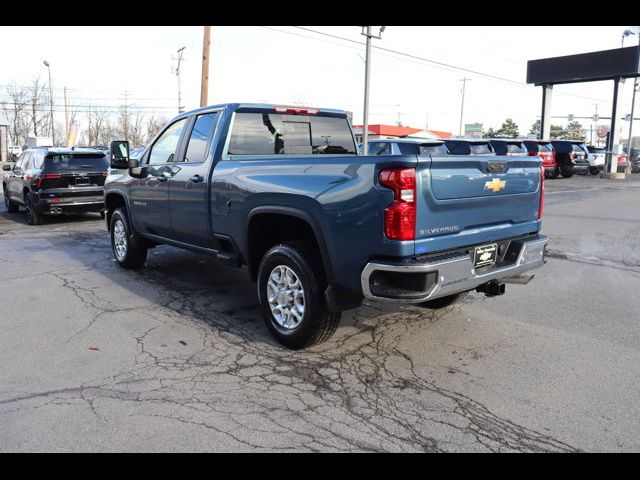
53,135
464,84
631,31
366,31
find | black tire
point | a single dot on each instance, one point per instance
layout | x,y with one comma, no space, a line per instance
566,172
553,174
11,207
317,323
130,254
443,302
33,217
594,170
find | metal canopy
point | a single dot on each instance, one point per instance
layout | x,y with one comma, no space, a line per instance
585,67
616,64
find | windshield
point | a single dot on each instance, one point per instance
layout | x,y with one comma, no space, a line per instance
434,150
517,148
75,162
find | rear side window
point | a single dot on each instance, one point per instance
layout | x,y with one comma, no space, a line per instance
76,162
199,139
458,148
579,148
516,148
282,134
409,148
480,149
434,150
545,147
379,148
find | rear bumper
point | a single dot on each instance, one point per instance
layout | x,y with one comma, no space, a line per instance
56,206
451,274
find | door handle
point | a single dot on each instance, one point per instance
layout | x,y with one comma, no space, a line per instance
196,179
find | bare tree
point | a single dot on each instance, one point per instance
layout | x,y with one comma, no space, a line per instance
38,101
15,109
153,127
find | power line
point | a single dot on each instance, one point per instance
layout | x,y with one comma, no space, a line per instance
443,65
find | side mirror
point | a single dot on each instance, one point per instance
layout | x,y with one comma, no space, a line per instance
134,163
6,168
119,154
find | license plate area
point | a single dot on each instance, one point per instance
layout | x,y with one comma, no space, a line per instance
83,181
485,255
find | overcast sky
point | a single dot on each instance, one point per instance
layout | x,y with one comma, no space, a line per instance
291,65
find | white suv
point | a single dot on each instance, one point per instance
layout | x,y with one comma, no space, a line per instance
596,159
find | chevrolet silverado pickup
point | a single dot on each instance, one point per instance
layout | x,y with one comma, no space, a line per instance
283,191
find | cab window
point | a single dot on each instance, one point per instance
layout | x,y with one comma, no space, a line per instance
164,150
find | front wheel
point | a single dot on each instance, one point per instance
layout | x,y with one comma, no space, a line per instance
128,255
290,289
11,207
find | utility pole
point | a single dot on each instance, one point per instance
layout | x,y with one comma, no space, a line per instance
204,83
66,116
366,31
179,52
125,120
464,85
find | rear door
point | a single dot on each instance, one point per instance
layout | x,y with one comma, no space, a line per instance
465,200
189,184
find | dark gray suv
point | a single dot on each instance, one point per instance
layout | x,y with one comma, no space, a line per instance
55,181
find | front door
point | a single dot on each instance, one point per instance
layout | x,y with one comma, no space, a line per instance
189,184
15,178
150,192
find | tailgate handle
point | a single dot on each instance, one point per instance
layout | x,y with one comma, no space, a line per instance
496,167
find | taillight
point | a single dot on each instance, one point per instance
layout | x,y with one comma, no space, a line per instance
400,216
45,176
297,110
541,207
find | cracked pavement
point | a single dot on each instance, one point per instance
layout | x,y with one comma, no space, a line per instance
174,357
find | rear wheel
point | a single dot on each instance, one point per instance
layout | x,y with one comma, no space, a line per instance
290,289
593,170
552,174
443,302
33,217
11,207
127,253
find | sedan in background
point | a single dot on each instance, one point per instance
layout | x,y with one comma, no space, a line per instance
544,150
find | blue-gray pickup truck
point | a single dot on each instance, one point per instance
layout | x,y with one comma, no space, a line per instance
283,191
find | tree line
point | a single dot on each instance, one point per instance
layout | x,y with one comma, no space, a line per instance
27,108
509,129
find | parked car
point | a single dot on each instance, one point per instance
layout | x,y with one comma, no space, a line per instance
407,146
469,146
623,161
544,150
572,157
283,191
596,159
56,181
508,146
635,160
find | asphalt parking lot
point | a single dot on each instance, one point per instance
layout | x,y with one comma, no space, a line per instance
175,356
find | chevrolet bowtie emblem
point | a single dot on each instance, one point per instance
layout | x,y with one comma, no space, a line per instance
495,185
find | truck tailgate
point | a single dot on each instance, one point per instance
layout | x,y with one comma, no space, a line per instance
469,200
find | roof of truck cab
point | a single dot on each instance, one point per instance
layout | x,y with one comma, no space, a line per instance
261,106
